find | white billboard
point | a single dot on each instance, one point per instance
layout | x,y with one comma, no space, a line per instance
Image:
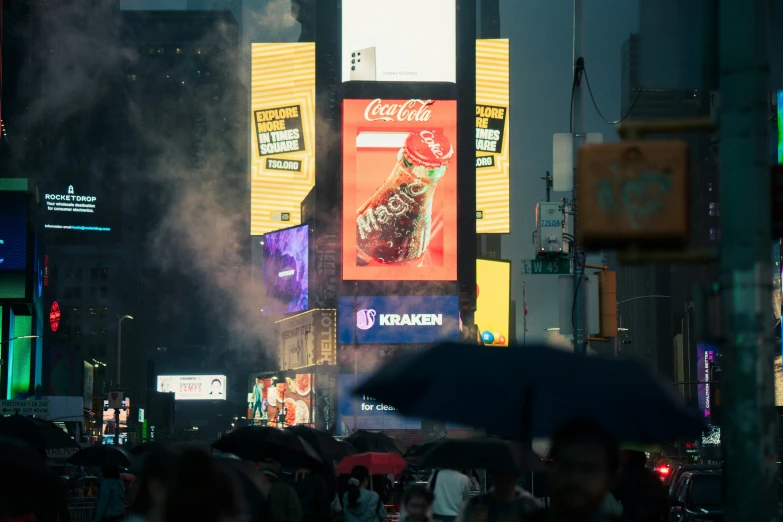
194,387
399,40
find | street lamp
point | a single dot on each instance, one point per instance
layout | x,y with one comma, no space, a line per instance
119,344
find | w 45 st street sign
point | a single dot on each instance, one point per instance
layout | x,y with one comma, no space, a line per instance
546,266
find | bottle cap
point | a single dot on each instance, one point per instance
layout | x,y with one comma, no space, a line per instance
428,148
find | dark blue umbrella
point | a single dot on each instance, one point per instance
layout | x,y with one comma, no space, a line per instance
528,391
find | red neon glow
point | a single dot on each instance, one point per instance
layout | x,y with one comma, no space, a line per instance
54,316
46,271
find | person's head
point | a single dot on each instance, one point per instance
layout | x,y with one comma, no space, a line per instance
111,472
632,459
201,492
585,458
360,478
258,380
504,483
216,385
155,477
417,501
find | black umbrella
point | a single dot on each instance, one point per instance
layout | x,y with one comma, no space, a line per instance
529,391
482,453
257,443
375,442
328,447
41,435
417,450
100,456
146,447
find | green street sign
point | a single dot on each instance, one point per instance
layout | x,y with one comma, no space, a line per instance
546,266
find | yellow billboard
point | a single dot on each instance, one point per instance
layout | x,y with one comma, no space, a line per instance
282,148
493,301
492,154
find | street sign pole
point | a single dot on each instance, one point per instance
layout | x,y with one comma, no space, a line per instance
580,345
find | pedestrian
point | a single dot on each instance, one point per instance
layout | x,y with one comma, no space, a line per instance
505,501
416,503
406,480
201,492
313,497
452,490
639,490
360,504
258,397
584,463
153,483
282,500
110,506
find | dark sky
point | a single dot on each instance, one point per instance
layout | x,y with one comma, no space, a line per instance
540,33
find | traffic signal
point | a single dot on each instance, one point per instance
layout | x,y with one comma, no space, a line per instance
633,194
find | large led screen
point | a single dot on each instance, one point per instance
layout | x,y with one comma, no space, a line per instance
282,136
365,412
281,403
399,190
493,298
707,358
397,320
194,387
492,139
399,41
76,208
285,270
13,230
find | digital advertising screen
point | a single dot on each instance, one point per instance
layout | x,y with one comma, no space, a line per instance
364,412
282,148
780,126
399,190
13,230
109,425
74,208
493,301
397,320
307,339
492,138
288,402
399,41
285,270
707,357
194,387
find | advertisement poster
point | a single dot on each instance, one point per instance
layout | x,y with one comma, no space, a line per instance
286,402
109,424
493,299
399,190
307,339
13,230
378,42
77,209
492,139
706,360
368,413
398,320
194,387
286,270
88,380
282,148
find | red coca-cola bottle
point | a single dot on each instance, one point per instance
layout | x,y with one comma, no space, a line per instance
393,226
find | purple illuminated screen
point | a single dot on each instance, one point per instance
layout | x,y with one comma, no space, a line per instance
285,270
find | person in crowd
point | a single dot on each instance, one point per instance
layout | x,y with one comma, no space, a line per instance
313,497
282,500
337,508
201,492
111,497
452,490
584,463
417,503
258,397
360,504
505,501
405,481
149,501
28,489
639,490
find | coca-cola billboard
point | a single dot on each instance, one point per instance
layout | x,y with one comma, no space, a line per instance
375,48
399,190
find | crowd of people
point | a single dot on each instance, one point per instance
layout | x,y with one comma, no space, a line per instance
584,485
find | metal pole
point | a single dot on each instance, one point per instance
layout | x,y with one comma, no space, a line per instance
524,308
580,344
749,432
119,350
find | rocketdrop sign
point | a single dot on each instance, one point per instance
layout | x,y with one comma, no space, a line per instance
392,320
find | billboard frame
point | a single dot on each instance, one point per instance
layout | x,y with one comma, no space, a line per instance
510,292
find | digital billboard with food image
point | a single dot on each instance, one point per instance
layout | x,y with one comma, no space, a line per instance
399,190
281,401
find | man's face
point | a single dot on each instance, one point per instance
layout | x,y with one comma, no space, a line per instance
580,479
417,508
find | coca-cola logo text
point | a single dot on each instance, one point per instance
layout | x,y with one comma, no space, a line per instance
429,139
411,110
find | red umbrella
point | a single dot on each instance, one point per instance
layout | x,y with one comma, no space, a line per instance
376,463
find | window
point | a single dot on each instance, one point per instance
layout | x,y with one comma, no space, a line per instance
709,186
94,292
77,293
77,332
68,272
104,291
69,293
94,273
77,273
102,350
104,273
93,350
714,234
76,312
93,311
104,312
103,332
94,331
714,211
